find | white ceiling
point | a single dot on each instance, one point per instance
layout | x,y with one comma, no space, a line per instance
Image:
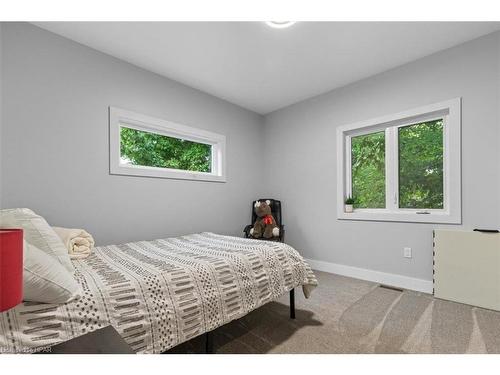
264,69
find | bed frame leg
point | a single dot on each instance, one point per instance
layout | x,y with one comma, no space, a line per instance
209,343
292,304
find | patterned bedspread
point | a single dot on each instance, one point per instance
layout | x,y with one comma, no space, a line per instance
158,294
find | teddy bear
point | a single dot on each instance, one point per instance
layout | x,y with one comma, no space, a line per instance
265,226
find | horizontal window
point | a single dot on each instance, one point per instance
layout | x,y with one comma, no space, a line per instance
144,146
403,167
148,149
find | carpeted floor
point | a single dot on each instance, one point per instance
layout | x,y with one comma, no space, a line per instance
347,315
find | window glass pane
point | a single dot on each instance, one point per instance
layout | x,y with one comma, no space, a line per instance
154,150
368,170
421,165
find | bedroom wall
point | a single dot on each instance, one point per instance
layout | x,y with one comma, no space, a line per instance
301,152
55,144
56,161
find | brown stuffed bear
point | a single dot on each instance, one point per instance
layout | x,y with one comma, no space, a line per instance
265,226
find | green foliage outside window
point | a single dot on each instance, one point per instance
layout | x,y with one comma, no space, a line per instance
368,170
421,165
154,150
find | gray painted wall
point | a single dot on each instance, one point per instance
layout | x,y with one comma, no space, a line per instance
54,150
55,144
301,150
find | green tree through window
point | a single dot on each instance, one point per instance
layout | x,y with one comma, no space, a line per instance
421,165
420,171
368,170
154,150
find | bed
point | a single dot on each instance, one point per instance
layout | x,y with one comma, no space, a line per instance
158,294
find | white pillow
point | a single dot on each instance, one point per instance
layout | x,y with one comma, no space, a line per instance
45,279
37,232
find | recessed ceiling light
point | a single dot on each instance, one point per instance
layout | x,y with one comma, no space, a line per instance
279,24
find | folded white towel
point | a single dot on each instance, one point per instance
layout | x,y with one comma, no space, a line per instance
78,241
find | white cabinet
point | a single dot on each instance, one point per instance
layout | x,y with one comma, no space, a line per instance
467,267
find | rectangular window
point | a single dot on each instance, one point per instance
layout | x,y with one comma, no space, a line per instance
421,165
402,167
368,170
146,149
144,146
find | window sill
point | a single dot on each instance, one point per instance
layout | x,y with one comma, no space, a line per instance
409,217
139,171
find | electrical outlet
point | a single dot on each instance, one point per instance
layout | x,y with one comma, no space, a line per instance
407,252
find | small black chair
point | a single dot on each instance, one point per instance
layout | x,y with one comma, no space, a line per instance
276,211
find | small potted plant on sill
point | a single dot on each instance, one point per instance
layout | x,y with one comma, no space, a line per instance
349,204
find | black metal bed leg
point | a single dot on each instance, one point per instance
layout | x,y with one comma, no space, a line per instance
292,304
209,343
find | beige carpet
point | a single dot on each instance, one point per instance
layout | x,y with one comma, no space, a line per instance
347,315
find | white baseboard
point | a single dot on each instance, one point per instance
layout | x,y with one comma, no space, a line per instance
391,279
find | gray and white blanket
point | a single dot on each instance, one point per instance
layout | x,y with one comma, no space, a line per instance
158,294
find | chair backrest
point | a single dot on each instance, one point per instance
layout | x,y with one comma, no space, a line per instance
275,210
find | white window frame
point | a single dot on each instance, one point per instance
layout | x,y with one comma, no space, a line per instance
119,118
450,112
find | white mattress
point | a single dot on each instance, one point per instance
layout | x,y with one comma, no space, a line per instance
158,294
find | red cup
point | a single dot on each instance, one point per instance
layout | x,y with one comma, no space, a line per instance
11,268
